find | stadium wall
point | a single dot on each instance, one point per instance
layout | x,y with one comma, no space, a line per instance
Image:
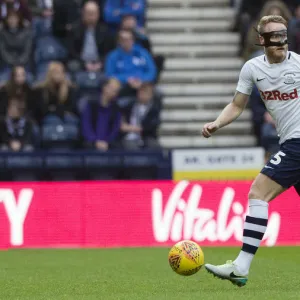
136,214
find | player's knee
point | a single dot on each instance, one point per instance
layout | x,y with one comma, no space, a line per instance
254,193
259,193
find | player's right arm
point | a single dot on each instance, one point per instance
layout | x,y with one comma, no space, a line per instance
234,109
230,113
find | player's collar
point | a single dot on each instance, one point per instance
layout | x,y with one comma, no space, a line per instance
288,56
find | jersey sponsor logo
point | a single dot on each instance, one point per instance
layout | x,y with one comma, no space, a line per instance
276,95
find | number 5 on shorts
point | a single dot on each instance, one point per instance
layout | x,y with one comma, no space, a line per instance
277,158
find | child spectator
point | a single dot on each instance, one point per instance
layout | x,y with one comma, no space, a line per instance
130,63
16,129
101,119
141,120
16,87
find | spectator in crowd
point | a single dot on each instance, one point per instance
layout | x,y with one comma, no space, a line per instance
270,8
130,63
16,42
247,13
141,120
16,129
41,8
66,13
115,10
129,22
89,41
292,4
54,98
100,3
42,11
293,31
17,87
101,119
19,6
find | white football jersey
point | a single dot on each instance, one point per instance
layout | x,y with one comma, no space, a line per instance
279,87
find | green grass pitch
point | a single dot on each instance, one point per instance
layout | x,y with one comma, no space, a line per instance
142,274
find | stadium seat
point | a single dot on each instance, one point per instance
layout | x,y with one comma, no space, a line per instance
64,136
22,167
63,167
42,27
89,80
49,49
89,87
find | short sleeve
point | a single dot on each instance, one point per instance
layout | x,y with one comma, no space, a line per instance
245,83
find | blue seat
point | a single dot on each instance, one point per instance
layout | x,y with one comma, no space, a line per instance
90,80
20,161
63,161
49,49
42,26
69,119
60,133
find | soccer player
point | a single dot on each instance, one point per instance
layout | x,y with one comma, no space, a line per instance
277,76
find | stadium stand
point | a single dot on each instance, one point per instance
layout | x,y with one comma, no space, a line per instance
176,61
61,113
201,70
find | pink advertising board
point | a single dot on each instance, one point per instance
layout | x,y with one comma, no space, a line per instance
136,213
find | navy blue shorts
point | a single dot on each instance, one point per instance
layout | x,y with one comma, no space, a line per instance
284,166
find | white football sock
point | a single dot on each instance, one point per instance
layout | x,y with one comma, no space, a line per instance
254,228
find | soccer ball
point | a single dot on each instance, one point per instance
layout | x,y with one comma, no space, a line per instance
186,258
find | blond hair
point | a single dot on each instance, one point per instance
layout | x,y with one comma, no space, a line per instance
270,19
62,91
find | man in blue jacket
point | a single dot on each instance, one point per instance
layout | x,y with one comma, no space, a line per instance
114,10
130,63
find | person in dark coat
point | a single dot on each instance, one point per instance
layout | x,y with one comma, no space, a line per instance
101,119
16,42
54,98
65,15
16,129
141,120
89,41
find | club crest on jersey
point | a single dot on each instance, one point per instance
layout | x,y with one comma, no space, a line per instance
276,95
289,78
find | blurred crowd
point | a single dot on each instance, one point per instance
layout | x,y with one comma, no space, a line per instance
248,13
77,73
